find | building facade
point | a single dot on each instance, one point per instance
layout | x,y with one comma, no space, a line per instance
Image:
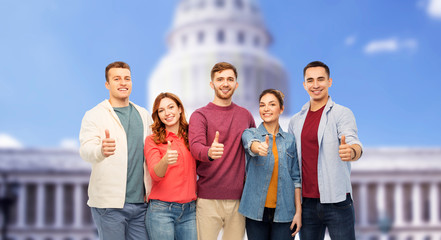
395,190
47,190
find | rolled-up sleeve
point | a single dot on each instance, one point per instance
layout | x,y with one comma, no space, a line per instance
152,155
346,126
248,137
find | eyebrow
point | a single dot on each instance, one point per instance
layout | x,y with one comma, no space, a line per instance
272,101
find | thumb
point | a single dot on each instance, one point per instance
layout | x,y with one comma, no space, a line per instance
267,140
107,133
169,145
343,140
216,138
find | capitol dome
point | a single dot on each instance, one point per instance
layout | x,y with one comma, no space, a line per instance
205,32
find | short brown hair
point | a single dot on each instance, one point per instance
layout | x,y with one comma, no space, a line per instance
116,65
220,66
317,64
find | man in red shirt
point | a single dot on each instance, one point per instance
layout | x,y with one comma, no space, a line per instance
215,141
327,141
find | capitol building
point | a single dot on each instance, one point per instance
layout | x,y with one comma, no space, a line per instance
205,32
43,192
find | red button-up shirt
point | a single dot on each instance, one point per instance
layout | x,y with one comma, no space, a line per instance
179,183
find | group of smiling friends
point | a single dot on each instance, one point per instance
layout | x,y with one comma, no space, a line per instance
160,177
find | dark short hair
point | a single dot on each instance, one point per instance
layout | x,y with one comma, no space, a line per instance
278,94
117,64
220,66
317,64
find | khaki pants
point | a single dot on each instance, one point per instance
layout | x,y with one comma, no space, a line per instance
213,215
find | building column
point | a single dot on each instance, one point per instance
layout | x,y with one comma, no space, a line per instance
434,204
78,210
381,200
399,209
363,198
59,204
40,205
22,206
416,203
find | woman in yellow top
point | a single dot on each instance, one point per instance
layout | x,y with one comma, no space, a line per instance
271,197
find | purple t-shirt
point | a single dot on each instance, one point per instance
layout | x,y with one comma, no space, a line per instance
222,178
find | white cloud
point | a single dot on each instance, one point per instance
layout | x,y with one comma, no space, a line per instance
69,143
434,8
7,141
390,45
349,41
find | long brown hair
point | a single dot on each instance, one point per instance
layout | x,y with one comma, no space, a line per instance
158,127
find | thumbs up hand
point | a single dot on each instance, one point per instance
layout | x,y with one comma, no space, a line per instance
261,148
217,149
346,152
108,145
171,155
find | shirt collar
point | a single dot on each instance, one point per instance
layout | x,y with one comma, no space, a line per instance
262,130
170,134
328,105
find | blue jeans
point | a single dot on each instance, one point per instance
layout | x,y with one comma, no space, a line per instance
121,223
170,221
267,229
337,217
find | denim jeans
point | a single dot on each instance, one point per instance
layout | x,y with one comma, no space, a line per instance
169,220
121,223
267,229
337,217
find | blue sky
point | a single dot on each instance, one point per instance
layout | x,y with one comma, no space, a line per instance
385,59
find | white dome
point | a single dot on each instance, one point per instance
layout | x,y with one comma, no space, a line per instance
211,31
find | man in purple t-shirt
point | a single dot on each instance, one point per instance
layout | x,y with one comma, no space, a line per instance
215,141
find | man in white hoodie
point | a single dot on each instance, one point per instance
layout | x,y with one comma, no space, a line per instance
112,139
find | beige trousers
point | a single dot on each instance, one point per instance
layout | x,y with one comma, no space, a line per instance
213,215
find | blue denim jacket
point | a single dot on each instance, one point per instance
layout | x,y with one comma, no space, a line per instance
259,171
333,173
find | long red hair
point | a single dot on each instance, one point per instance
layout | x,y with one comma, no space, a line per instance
158,127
